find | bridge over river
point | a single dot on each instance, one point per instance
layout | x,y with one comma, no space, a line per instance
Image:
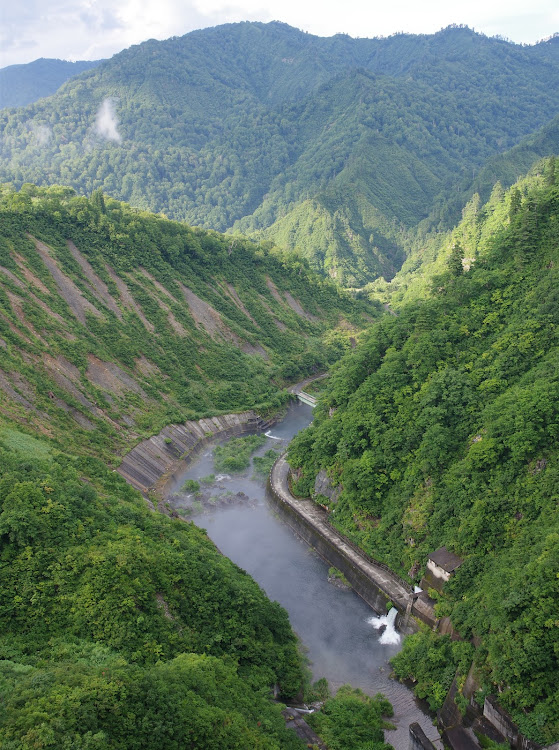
306,398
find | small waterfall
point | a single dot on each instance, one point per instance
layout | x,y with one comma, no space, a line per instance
390,636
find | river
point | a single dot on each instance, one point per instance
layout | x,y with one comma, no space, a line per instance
332,623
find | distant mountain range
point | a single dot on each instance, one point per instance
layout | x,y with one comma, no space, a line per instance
24,84
335,147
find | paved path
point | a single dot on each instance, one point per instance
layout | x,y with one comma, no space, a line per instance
388,582
298,387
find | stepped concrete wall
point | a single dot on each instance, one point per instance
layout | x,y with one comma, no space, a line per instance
154,463
418,738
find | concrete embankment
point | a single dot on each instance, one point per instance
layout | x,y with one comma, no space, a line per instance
373,581
153,464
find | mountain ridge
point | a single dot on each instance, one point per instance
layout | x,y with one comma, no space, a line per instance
25,83
235,127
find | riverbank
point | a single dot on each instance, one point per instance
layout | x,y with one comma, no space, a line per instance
375,583
334,625
154,463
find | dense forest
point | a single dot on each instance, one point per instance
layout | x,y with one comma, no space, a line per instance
116,322
441,428
335,146
342,160
121,628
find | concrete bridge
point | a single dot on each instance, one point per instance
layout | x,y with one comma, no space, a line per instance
297,389
306,398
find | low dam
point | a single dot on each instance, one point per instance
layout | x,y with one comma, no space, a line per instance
152,463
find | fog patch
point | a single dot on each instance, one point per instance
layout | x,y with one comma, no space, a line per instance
106,121
42,133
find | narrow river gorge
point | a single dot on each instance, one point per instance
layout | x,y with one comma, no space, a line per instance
333,624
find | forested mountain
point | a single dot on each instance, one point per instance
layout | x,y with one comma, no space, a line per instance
114,323
442,428
332,146
121,628
24,84
431,243
505,168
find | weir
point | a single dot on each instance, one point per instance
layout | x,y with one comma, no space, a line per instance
153,462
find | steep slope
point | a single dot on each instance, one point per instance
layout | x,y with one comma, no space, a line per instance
442,428
505,168
429,251
119,625
114,323
24,84
264,129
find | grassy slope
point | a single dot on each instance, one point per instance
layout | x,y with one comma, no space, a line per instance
140,321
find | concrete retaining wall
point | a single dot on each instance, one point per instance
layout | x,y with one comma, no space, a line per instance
375,583
329,552
505,725
154,463
418,738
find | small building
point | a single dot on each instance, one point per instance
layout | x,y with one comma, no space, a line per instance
440,567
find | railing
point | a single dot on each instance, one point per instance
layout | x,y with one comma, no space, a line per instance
306,398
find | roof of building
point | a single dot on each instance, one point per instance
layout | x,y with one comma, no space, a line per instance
446,560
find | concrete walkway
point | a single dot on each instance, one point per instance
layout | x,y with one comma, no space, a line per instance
397,590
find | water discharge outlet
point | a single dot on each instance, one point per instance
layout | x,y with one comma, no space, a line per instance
390,635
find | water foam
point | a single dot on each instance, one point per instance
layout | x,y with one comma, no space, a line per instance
390,636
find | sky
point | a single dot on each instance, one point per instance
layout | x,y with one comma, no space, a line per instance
94,29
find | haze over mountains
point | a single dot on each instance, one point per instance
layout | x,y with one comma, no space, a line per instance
335,146
24,84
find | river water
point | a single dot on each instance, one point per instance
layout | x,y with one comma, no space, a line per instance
332,623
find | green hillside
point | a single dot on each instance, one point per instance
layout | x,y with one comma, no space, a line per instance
505,168
114,323
121,628
429,249
24,84
264,129
442,428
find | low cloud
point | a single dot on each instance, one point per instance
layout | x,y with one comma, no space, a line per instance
42,133
106,122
